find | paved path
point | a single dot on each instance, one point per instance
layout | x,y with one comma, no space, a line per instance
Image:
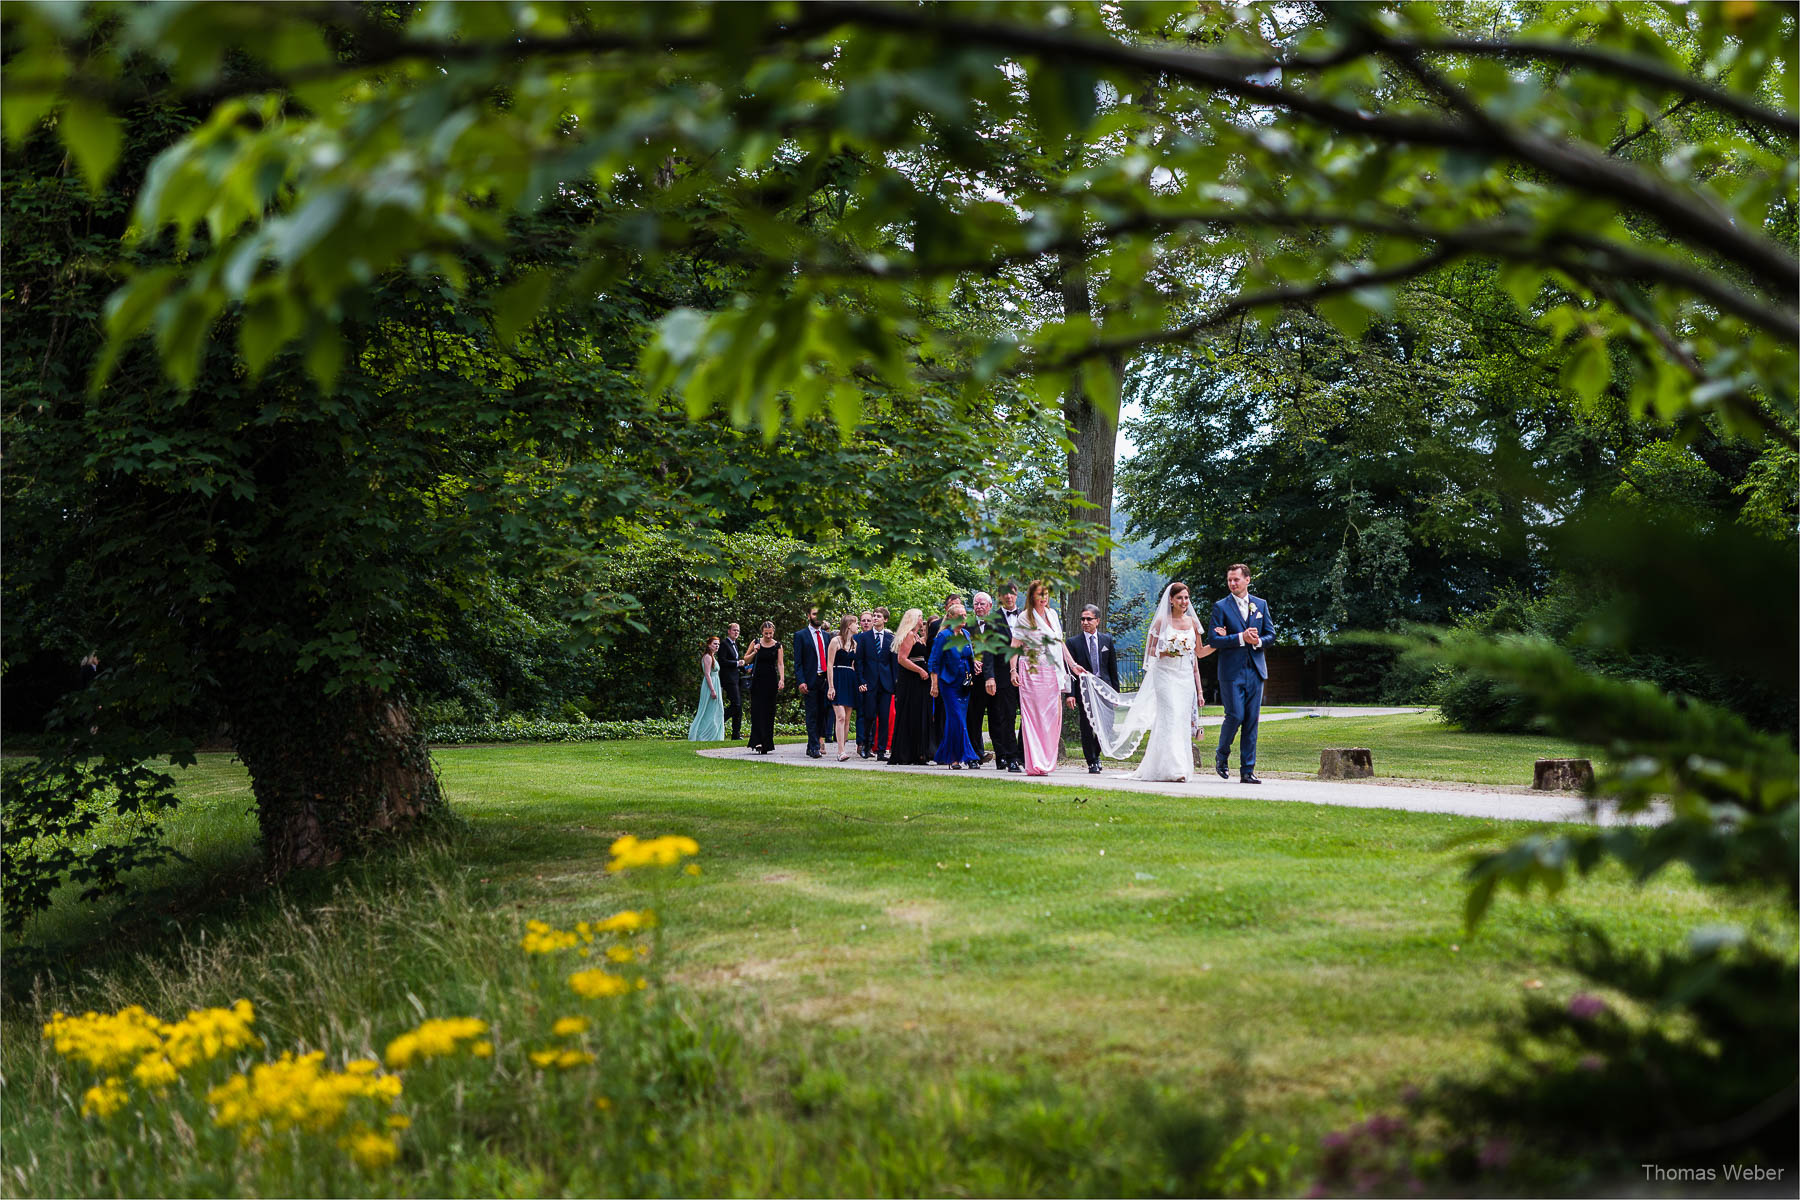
1460,799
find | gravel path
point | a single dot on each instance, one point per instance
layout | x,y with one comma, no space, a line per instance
1460,799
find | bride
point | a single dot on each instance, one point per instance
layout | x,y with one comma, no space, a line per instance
1166,706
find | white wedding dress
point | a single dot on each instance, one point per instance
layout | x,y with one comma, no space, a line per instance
1165,708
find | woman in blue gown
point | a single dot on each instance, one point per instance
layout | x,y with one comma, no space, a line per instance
953,675
708,724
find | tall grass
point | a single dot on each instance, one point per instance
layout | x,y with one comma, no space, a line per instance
685,1094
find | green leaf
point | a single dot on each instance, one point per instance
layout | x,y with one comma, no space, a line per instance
846,407
680,333
518,305
1523,282
1100,385
93,137
269,323
1346,315
1588,370
325,357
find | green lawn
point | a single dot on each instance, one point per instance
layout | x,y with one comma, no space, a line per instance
895,937
1407,747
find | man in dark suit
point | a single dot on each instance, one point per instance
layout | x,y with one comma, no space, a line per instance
994,699
1239,630
809,670
875,675
1094,651
731,679
1006,691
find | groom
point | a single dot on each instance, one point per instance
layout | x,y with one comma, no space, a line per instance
1240,629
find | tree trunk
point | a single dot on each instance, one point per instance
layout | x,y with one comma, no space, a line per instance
1095,434
332,774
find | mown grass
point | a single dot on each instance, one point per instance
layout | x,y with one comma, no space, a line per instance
1404,747
911,984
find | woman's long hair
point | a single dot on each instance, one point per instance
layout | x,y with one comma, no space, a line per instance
845,622
908,623
1038,588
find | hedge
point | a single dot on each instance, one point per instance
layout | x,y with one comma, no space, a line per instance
523,729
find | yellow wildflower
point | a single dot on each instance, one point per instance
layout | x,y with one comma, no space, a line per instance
435,1038
540,938
692,868
570,1026
543,1058
106,1042
602,1103
294,1093
206,1033
482,1049
399,1121
627,922
628,852
371,1150
596,983
104,1098
621,954
155,1073
573,1058
362,1066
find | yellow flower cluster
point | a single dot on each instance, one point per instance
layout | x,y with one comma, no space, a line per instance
563,1059
105,1041
543,938
540,938
157,1050
298,1092
628,852
206,1033
595,984
104,1098
438,1038
370,1149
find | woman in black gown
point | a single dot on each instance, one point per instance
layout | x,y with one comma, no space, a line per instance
765,681
914,740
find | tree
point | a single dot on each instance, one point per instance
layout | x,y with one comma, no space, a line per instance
252,550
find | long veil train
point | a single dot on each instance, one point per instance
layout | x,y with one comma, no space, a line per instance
1122,720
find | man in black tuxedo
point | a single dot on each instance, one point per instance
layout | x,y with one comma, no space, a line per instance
1094,651
875,675
809,671
994,690
731,679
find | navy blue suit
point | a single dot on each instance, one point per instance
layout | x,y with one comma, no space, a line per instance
1242,673
875,671
809,668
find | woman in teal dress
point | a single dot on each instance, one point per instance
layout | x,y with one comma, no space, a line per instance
709,719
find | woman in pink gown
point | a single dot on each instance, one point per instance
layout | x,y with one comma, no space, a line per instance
1038,673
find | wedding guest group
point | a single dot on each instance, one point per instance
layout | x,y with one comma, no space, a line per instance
942,690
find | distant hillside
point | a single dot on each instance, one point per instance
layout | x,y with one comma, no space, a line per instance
1136,581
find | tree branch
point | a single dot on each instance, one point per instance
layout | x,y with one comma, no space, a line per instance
1684,217
1627,66
1244,303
